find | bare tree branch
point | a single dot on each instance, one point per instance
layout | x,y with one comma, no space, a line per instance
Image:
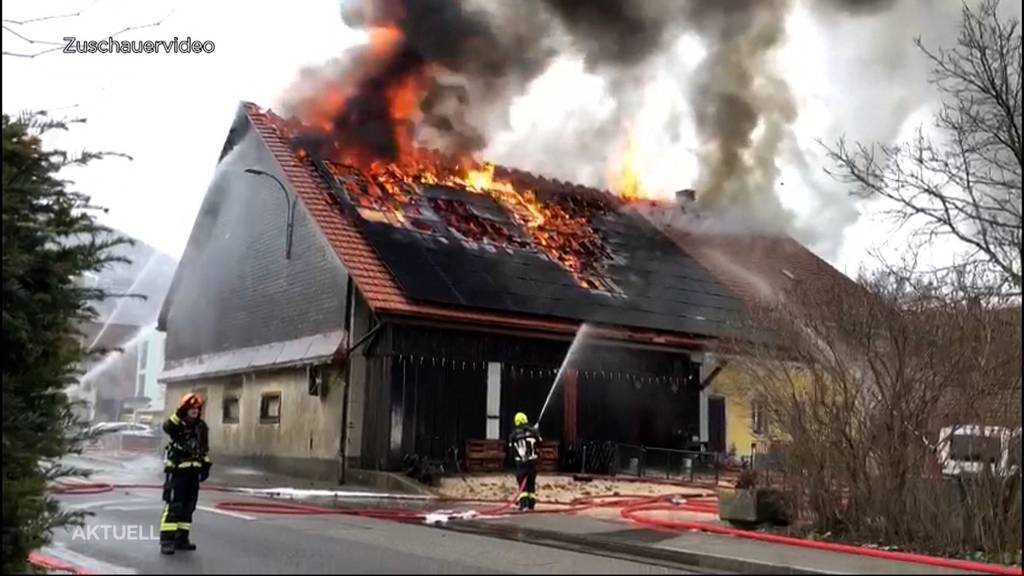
44,18
59,45
883,371
967,184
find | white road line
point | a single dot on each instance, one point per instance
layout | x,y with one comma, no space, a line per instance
135,508
94,504
225,512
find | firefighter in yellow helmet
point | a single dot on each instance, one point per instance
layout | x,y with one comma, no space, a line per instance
524,442
186,464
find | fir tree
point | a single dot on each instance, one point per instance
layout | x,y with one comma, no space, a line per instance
50,239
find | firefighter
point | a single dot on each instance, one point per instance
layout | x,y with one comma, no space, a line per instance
186,464
525,445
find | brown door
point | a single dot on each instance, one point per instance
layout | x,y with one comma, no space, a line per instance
716,424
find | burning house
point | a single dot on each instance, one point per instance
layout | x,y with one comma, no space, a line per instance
349,296
387,310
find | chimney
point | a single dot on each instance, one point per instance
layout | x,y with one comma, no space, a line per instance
686,198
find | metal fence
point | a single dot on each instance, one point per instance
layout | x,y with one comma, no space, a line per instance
768,463
613,458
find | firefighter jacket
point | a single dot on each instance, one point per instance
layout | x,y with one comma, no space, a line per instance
188,446
525,444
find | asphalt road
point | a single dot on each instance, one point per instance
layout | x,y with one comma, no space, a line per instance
124,539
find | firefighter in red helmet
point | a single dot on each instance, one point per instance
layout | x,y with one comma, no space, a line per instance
186,465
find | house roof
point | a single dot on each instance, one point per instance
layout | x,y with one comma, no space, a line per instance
389,275
757,267
315,349
375,280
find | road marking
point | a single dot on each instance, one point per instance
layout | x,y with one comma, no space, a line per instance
225,512
134,508
94,504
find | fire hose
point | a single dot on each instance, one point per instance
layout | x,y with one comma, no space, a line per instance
47,563
635,513
633,508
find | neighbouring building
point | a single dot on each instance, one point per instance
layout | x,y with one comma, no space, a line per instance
758,269
108,376
120,376
337,318
149,389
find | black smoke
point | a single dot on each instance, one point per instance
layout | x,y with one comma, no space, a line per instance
474,57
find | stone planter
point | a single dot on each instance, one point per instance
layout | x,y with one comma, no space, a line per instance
753,506
739,506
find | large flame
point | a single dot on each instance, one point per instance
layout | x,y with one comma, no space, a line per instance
366,123
626,178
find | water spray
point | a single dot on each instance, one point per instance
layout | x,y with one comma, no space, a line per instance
114,355
120,303
580,335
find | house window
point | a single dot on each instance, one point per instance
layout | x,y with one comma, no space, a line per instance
758,418
230,411
975,448
270,408
315,381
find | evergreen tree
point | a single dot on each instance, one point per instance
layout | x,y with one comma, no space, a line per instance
50,239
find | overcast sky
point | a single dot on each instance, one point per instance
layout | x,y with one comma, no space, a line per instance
171,112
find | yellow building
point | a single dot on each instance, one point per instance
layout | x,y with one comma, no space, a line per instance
745,419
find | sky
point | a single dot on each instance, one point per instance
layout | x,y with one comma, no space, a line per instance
171,112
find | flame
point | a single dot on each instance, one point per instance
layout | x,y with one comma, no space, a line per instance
627,180
366,122
560,232
480,180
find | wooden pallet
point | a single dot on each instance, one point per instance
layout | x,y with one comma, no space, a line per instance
548,457
490,456
485,455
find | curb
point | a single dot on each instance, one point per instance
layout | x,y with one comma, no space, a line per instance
595,544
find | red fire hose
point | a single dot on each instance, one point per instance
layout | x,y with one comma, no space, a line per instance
37,559
633,508
636,512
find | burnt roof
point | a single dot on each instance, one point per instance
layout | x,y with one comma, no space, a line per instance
458,247
652,291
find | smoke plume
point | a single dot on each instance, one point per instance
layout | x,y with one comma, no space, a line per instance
444,73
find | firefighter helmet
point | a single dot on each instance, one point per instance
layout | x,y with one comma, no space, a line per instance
191,400
520,419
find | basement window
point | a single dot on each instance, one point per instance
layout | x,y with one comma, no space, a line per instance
270,408
230,411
